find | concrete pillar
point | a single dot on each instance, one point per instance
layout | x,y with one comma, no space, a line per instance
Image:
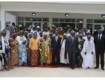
84,23
2,19
50,21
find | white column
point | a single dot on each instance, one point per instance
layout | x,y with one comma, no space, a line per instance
84,24
50,22
2,19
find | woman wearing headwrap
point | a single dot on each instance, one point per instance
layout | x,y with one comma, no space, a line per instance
45,49
22,43
34,47
14,50
43,55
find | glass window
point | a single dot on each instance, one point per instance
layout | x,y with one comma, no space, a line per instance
99,21
21,23
97,26
62,20
72,20
89,20
67,20
56,24
46,19
35,19
29,19
55,20
20,18
89,26
39,19
80,20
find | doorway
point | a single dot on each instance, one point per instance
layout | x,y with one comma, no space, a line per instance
72,25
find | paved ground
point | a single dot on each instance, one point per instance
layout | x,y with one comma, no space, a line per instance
51,72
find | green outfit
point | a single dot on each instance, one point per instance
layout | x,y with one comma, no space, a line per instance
42,52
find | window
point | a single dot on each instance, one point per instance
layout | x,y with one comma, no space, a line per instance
79,20
62,20
89,20
45,19
99,21
20,18
55,20
89,26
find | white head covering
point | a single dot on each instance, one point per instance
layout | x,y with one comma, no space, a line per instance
44,33
38,26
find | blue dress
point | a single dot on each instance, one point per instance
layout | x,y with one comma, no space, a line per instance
22,50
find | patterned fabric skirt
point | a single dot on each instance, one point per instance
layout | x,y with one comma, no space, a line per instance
42,57
49,57
14,56
34,57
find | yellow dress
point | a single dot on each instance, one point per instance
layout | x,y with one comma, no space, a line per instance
34,54
48,51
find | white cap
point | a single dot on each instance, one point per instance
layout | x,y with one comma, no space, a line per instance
44,33
38,26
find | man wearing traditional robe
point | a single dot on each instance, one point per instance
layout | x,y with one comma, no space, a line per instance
88,52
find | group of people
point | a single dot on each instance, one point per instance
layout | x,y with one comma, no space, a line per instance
73,48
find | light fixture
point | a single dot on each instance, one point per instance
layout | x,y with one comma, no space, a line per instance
80,21
103,15
33,13
66,14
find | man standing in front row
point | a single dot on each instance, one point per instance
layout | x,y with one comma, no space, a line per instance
99,41
88,52
56,46
71,49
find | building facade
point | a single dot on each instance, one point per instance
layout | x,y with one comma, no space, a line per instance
84,15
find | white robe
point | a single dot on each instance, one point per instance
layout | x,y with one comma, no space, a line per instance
62,54
88,59
4,45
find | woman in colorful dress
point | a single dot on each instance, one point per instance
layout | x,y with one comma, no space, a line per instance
47,47
29,36
34,47
14,50
43,54
22,43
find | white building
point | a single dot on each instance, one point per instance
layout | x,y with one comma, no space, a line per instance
84,14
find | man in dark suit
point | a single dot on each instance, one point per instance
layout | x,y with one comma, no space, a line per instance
99,41
56,46
71,49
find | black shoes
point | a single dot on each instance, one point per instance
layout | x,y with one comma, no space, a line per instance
96,67
102,68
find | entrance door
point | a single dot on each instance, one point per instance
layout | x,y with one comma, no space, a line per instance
38,24
96,27
72,25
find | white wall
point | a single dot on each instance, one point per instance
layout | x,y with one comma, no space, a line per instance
10,17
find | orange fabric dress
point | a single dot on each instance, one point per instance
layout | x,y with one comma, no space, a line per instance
34,55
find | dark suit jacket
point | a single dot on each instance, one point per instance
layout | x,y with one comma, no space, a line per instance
99,44
72,47
56,45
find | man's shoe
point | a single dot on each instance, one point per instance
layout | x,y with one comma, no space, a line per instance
102,68
96,67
